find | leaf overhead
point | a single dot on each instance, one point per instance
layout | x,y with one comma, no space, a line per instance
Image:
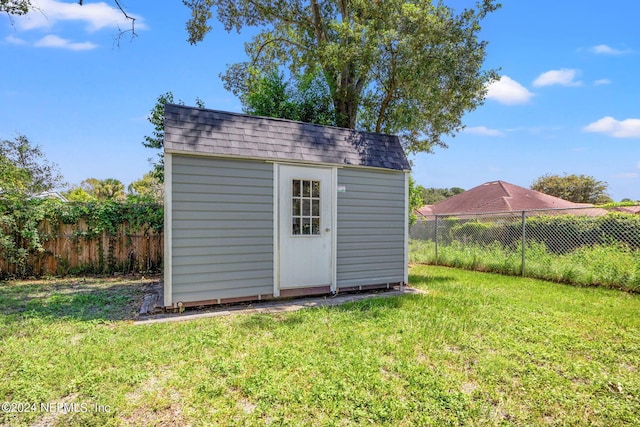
411,68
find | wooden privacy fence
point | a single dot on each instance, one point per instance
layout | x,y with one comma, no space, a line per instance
71,249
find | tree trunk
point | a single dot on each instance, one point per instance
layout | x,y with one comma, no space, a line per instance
347,97
345,110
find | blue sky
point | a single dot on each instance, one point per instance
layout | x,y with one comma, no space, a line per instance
568,101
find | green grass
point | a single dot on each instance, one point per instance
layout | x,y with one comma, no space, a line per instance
476,349
612,265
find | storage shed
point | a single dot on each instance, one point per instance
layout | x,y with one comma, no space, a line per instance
259,208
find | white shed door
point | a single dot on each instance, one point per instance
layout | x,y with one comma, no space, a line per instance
305,227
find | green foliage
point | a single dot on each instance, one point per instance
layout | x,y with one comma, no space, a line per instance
156,139
474,231
13,180
622,203
79,194
22,235
15,7
574,188
93,189
564,233
415,199
148,189
109,189
24,170
407,68
431,196
305,99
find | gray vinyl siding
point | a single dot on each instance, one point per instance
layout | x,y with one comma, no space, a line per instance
371,227
222,225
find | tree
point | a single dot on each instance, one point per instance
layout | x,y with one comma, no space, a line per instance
156,140
148,189
24,170
399,67
574,188
12,178
15,7
92,189
109,189
432,196
79,194
304,99
415,199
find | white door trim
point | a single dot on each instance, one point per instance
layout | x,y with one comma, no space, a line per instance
168,229
334,229
276,230
277,174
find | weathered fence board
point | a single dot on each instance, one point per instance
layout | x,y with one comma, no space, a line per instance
69,249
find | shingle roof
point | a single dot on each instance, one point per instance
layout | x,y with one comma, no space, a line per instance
195,130
500,196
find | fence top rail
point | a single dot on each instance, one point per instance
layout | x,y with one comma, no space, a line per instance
521,211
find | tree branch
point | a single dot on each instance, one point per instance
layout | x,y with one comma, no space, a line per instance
284,16
277,39
132,30
393,85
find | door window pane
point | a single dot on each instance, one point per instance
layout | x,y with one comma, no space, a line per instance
296,207
306,226
296,189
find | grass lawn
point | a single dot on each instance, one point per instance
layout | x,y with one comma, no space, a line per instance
476,349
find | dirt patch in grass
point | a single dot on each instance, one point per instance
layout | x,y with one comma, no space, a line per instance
156,402
103,298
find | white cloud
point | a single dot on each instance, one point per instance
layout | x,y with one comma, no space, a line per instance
483,130
536,130
627,175
601,82
563,77
603,49
508,91
629,128
11,39
58,42
96,16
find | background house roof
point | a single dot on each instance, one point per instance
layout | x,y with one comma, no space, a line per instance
500,196
195,130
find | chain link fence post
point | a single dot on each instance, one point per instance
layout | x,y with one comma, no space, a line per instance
436,237
524,240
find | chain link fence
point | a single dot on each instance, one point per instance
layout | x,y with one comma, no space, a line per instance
586,246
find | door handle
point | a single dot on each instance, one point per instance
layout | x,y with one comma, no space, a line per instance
327,230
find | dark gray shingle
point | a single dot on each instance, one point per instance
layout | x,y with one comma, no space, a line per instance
196,130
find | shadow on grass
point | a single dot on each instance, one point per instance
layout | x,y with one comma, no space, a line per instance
72,300
374,308
422,281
